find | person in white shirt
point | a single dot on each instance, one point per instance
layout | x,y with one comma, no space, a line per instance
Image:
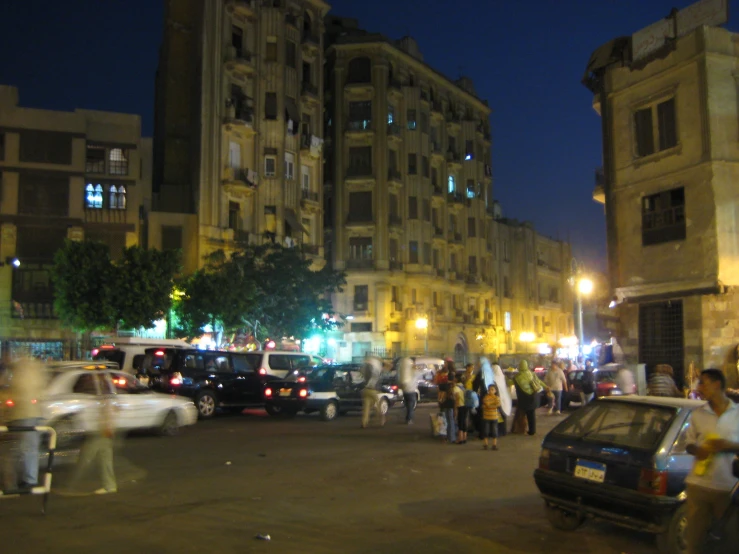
372,372
557,382
713,439
408,381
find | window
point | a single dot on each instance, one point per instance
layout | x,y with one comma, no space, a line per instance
117,197
427,253
237,38
234,155
305,179
171,237
233,215
360,115
469,150
413,252
93,196
95,159
270,105
452,144
506,287
663,217
452,184
360,206
360,161
411,117
472,265
394,257
437,259
453,262
290,57
434,176
424,122
45,147
2,146
41,194
359,71
392,160
507,321
307,73
270,166
390,115
471,227
426,209
425,168
412,207
412,161
118,159
666,128
361,298
471,188
289,166
270,53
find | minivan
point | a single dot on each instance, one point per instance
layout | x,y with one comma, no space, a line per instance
128,352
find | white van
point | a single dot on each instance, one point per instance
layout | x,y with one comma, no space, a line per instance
128,352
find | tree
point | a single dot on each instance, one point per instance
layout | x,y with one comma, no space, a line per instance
143,292
83,277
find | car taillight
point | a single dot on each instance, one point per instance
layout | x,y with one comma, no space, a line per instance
301,379
262,371
544,459
303,393
95,352
393,388
176,379
159,353
9,403
267,392
653,481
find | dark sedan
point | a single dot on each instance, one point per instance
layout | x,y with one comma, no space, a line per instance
622,460
605,385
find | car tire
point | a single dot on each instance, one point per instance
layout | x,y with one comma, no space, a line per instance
563,520
206,404
384,406
329,411
279,411
170,424
672,541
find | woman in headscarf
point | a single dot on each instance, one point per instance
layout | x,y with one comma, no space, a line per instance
528,387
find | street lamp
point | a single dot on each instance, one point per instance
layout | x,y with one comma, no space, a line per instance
584,286
423,323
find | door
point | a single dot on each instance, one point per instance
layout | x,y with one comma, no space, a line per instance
234,155
247,387
357,384
661,336
137,408
220,373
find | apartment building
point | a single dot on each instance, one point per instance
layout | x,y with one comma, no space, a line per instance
671,163
239,125
73,175
409,209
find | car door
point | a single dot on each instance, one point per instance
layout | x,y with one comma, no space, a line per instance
80,402
342,384
221,376
137,409
247,386
357,384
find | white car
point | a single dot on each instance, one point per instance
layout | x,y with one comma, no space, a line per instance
75,390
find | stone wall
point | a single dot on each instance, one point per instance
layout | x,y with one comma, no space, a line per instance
720,333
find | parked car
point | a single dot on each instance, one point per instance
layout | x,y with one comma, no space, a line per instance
605,385
622,460
213,379
329,389
279,363
129,352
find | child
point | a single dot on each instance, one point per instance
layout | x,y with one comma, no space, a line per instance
490,416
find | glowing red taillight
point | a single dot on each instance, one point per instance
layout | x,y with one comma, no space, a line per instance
262,371
267,392
176,379
9,403
301,379
159,353
653,481
303,393
95,352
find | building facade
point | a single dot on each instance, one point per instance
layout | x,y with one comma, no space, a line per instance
239,124
671,163
81,174
410,215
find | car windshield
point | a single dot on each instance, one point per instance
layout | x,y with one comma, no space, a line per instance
618,423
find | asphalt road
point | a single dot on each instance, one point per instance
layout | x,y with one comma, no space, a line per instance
314,487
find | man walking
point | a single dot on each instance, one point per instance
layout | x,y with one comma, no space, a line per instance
713,438
588,383
408,381
370,395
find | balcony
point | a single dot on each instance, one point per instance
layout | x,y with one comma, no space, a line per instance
424,95
309,92
360,172
40,309
395,87
396,266
360,264
453,123
394,178
437,191
436,152
440,272
291,19
356,129
239,183
455,238
359,86
310,249
396,306
311,42
454,159
438,232
394,220
488,171
456,198
394,132
99,215
310,201
311,145
239,60
436,110
245,8
360,220
239,118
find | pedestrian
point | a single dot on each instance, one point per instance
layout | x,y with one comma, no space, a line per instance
447,405
713,439
528,390
587,384
661,382
490,417
557,383
22,403
460,406
98,447
469,376
408,381
372,371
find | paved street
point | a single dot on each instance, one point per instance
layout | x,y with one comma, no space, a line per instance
313,487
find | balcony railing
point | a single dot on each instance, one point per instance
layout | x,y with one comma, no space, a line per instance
309,38
311,249
396,266
394,220
393,130
291,19
309,88
101,215
393,175
359,171
20,309
309,195
395,84
456,197
440,272
453,157
437,191
438,232
363,263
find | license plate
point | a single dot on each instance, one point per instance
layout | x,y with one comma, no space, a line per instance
591,471
285,392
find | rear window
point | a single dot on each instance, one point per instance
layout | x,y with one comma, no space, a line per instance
115,355
618,423
605,377
158,359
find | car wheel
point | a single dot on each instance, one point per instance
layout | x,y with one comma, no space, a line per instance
206,404
562,519
329,411
672,541
271,409
170,425
384,406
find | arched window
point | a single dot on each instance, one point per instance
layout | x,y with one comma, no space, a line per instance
121,197
117,197
360,70
452,184
113,198
93,196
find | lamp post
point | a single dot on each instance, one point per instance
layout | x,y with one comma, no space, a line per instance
584,286
423,323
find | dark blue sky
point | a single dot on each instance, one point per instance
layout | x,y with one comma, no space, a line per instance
526,58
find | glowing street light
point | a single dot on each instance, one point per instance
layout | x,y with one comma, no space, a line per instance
422,323
585,286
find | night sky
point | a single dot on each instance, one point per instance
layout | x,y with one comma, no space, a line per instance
526,58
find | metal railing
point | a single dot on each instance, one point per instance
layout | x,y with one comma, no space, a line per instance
13,455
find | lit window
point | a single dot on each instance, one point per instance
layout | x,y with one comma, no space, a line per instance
118,158
117,197
289,166
452,184
93,196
